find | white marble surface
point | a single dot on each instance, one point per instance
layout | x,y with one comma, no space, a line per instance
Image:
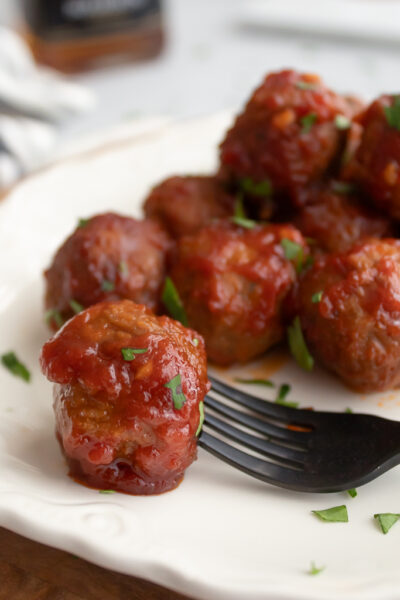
211,62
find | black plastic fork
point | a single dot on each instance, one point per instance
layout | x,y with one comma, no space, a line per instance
303,450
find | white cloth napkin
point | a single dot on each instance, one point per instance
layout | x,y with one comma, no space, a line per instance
33,102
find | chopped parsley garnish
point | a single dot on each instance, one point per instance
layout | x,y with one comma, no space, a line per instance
282,393
315,298
260,188
239,208
308,262
173,302
266,382
123,268
386,520
342,122
352,492
342,187
348,410
392,113
306,85
298,346
76,307
336,514
106,491
15,366
195,342
243,222
293,251
307,122
178,397
107,286
83,222
201,411
54,315
314,570
129,354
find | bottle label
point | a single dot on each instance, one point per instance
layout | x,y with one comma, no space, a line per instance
53,18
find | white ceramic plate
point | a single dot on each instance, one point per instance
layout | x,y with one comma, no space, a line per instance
220,535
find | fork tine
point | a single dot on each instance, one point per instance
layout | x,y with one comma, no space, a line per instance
287,456
256,467
264,407
298,438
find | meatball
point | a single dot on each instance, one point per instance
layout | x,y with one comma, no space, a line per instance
349,307
336,219
232,282
108,257
376,164
288,133
184,204
127,396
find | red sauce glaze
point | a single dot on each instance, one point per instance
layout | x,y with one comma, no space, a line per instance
269,139
185,204
355,329
232,282
376,164
336,221
109,258
115,419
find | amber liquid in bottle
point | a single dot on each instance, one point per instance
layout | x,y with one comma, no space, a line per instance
73,35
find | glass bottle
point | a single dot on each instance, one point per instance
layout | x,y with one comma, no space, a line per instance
72,35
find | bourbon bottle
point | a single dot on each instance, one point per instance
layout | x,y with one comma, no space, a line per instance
72,35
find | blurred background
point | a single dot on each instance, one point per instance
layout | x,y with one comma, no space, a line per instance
134,60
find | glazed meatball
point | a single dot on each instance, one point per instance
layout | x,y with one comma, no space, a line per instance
232,282
336,219
127,396
287,134
185,204
349,307
376,164
108,257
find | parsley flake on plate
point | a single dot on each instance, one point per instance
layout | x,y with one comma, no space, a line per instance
106,491
386,520
348,410
352,492
266,382
201,421
283,391
307,122
392,113
107,286
314,570
76,306
129,354
54,315
336,514
15,366
178,397
173,302
316,298
298,346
